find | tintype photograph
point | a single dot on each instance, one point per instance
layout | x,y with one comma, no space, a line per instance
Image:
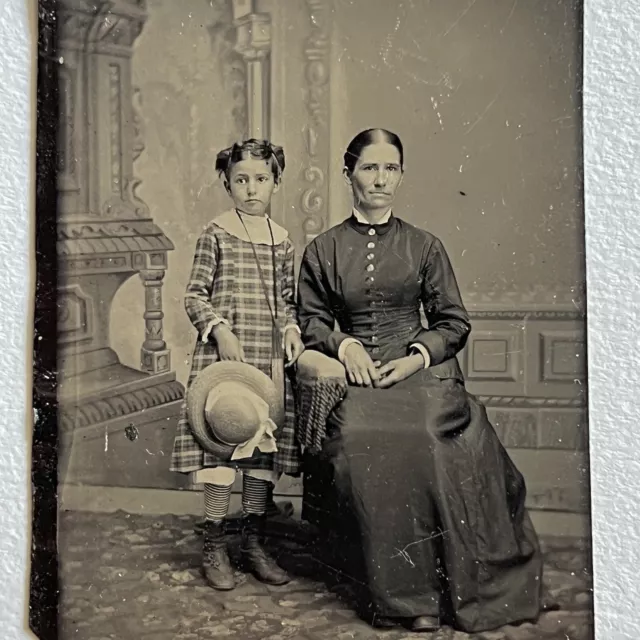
321,340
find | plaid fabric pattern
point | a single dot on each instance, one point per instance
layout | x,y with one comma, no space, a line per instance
225,284
315,400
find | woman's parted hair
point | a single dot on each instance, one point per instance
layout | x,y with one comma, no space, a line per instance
252,148
366,138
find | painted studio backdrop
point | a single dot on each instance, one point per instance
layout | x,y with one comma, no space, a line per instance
488,109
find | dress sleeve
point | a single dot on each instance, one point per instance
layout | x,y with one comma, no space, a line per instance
449,325
197,299
317,321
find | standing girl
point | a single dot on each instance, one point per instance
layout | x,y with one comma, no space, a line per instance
241,287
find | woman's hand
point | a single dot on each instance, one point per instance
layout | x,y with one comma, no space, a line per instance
229,347
293,346
398,370
361,369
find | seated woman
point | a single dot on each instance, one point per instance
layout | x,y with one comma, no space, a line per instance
406,477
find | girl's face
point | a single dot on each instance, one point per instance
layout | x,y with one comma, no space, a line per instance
376,177
251,185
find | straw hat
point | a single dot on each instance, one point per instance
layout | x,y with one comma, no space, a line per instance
233,408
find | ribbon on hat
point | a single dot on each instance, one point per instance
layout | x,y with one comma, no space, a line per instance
264,440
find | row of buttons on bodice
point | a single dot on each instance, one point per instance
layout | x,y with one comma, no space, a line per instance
369,280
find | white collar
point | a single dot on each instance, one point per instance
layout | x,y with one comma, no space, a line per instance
256,226
360,218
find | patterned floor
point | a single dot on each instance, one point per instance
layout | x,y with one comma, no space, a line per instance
132,577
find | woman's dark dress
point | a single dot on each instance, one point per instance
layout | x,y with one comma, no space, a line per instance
412,486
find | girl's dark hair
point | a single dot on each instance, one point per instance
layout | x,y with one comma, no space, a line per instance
252,148
367,138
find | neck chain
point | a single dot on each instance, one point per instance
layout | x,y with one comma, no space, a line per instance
273,311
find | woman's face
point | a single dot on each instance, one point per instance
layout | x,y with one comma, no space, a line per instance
251,185
376,177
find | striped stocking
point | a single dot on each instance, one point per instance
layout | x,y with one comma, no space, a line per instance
254,494
216,501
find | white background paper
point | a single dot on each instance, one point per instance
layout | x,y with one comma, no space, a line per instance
612,170
612,173
17,195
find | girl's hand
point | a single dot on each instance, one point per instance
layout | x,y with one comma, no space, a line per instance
398,370
229,347
293,346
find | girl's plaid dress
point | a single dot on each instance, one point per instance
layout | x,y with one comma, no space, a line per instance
225,284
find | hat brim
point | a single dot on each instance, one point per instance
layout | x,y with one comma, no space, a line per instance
226,371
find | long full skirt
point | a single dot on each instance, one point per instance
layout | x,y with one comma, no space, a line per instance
424,507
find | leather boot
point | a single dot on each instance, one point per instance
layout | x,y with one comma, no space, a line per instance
255,558
380,622
216,566
423,624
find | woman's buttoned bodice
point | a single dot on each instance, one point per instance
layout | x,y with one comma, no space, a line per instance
372,280
379,290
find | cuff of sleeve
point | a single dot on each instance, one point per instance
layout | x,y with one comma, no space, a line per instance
423,351
343,347
207,330
433,342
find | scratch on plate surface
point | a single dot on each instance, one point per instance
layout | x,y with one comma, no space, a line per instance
462,15
483,114
513,8
402,553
